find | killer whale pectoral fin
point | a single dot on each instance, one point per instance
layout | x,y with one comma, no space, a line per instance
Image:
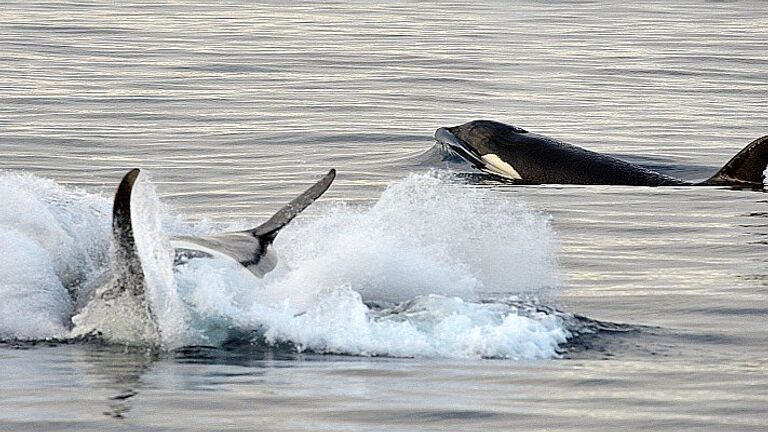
250,248
269,229
746,168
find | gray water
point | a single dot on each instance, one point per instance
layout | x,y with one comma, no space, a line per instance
234,108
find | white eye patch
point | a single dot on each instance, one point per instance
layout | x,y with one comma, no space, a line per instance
498,166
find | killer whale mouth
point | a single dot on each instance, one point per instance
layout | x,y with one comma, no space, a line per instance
455,145
489,163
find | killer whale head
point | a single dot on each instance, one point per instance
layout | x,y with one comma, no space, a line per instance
486,144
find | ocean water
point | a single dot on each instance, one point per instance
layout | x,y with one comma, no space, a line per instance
409,297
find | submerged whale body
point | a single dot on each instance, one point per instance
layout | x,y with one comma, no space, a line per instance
523,157
126,285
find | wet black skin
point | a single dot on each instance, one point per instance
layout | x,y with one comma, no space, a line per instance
539,159
542,160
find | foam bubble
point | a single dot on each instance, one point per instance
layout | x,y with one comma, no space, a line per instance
425,235
34,302
430,326
429,242
53,238
425,252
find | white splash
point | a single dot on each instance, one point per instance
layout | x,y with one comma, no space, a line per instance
436,244
53,239
427,250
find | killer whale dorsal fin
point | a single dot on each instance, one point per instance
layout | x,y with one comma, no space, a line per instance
129,271
117,309
269,229
746,168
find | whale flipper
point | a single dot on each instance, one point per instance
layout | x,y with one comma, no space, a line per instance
250,248
746,168
270,228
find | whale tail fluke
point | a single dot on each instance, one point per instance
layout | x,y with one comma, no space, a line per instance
746,168
269,229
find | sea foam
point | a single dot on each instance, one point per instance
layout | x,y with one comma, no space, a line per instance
53,238
435,245
402,277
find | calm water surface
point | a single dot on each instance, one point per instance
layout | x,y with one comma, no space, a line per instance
234,108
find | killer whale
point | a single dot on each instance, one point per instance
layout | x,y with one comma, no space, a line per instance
523,157
249,248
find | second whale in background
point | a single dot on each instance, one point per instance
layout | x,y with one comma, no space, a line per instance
520,156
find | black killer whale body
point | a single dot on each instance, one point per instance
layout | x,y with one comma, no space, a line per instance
523,157
250,248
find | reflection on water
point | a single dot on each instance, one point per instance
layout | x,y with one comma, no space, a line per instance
110,388
235,108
